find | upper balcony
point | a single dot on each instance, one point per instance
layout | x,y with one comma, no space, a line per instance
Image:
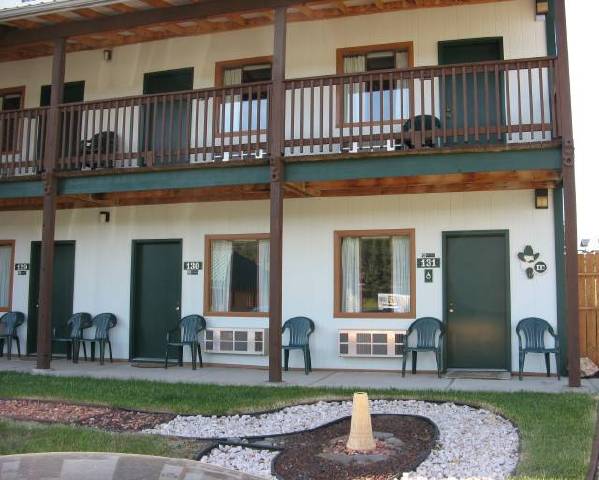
365,80
476,106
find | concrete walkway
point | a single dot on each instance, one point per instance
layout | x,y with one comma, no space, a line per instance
108,466
319,378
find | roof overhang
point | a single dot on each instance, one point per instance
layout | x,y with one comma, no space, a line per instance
29,31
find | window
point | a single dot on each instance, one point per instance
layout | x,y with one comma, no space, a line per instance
374,273
239,104
236,280
7,249
10,100
373,98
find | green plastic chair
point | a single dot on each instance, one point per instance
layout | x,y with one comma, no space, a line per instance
72,334
103,323
9,322
429,338
300,329
186,332
531,339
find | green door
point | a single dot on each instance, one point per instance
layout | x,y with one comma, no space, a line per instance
485,107
73,92
167,120
155,295
476,279
62,290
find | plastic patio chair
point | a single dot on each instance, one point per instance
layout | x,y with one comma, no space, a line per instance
103,323
72,334
427,340
186,332
300,329
9,322
534,329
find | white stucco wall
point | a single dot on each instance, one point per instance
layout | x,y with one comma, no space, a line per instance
311,47
103,257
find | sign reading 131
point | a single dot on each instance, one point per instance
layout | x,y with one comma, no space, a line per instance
428,262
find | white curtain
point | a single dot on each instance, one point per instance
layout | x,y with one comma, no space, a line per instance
350,266
232,76
402,59
222,257
263,275
353,64
5,273
400,247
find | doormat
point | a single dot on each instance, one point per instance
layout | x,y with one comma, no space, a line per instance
479,374
147,364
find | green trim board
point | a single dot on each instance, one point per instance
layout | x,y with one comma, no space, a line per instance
560,275
297,171
413,165
21,189
508,314
158,180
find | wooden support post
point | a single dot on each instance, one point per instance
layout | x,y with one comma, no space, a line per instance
569,183
51,151
277,174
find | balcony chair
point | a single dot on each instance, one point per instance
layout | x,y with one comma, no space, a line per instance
72,333
103,323
429,338
531,339
300,329
421,138
186,332
9,322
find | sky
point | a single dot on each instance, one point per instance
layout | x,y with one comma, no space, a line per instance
582,24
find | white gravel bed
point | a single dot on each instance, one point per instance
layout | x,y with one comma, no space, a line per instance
473,443
248,460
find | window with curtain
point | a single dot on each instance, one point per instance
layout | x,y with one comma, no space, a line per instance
238,275
242,110
367,100
375,273
6,266
10,100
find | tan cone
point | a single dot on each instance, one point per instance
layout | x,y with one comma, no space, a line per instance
360,435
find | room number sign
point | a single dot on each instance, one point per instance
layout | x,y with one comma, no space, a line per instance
428,260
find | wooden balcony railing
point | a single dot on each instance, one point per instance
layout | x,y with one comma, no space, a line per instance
472,105
22,141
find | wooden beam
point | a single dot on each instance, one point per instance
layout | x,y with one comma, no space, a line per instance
51,152
277,175
571,235
199,10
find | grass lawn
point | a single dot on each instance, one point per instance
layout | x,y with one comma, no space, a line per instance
556,429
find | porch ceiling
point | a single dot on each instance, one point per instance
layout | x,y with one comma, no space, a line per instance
26,32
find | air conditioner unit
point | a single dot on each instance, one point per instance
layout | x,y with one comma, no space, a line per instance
372,343
238,341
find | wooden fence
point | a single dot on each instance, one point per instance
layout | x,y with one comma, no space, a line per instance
588,305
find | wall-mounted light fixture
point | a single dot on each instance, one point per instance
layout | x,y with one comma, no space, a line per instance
541,198
107,55
104,217
542,7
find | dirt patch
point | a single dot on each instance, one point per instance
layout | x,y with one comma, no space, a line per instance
105,418
319,454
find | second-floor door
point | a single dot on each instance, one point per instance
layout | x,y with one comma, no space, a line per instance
474,101
165,124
